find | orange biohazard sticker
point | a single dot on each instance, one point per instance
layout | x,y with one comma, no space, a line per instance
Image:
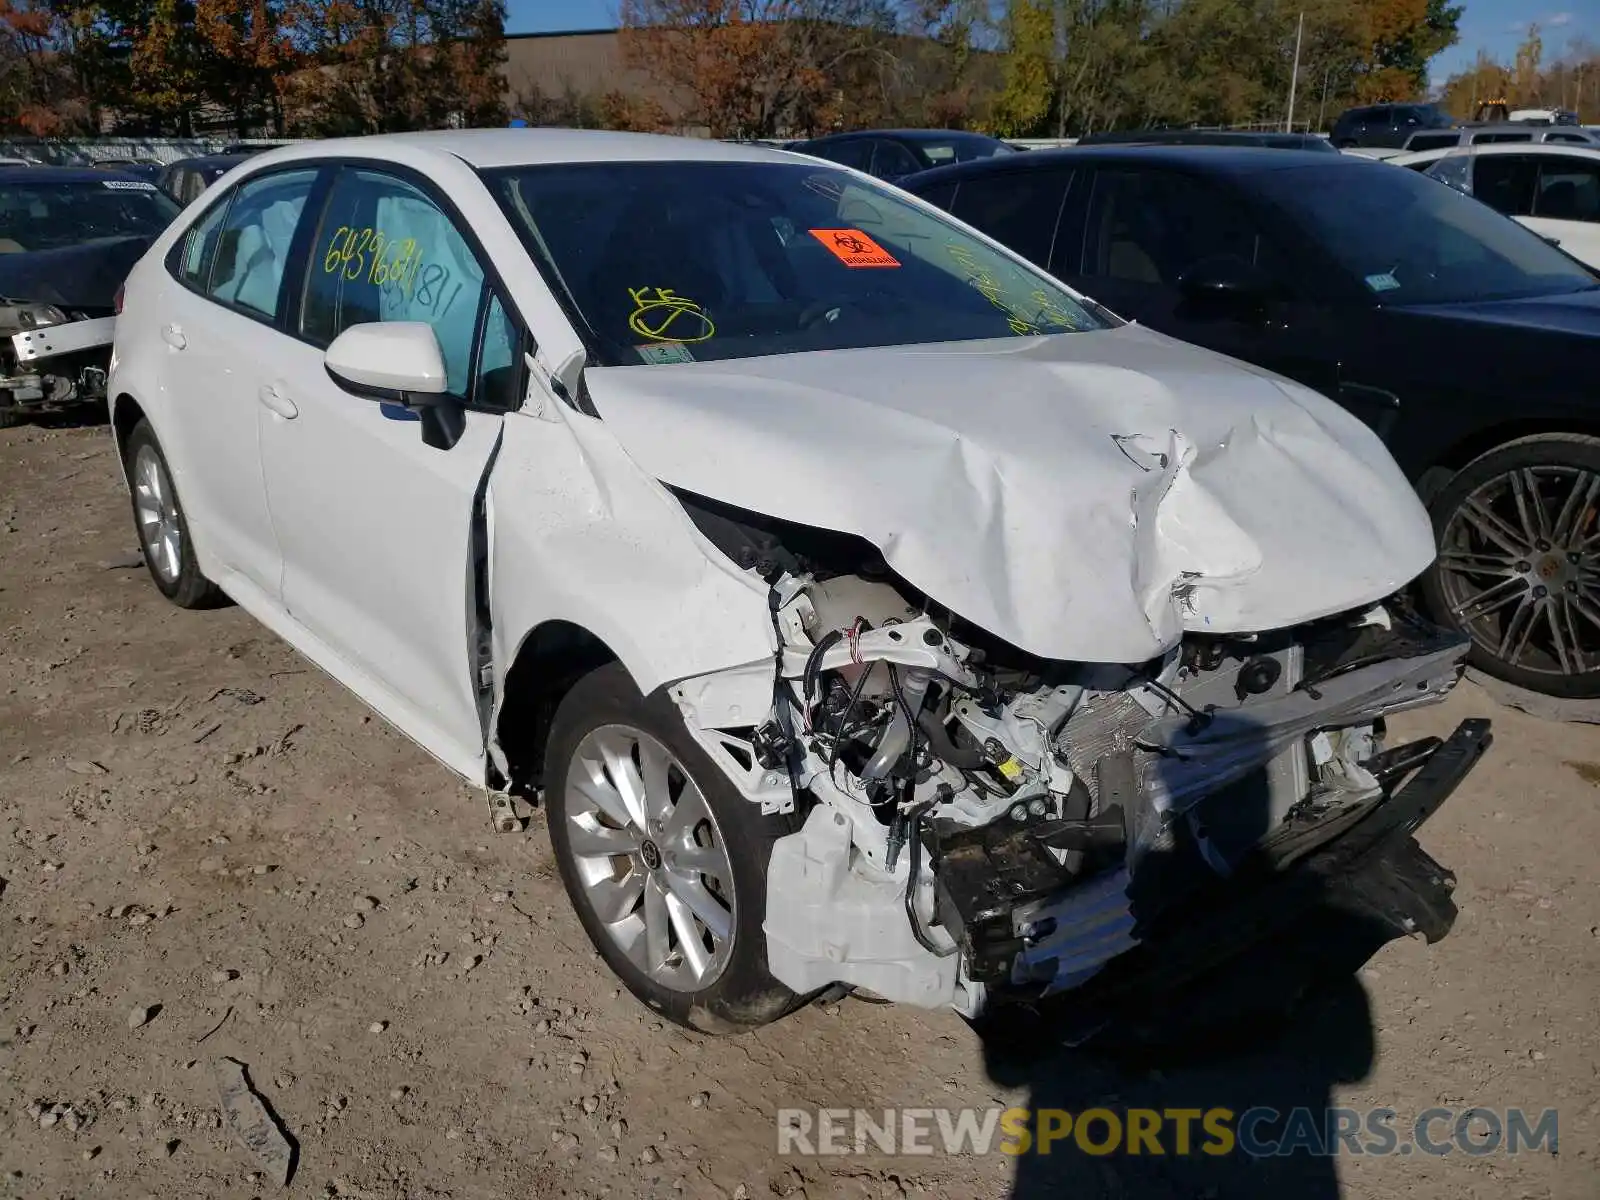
854,248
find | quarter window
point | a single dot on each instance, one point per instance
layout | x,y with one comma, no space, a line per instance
386,252
200,247
253,245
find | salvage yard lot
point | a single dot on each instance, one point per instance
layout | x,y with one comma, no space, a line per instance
192,817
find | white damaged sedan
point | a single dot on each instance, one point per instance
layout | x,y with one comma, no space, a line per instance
868,609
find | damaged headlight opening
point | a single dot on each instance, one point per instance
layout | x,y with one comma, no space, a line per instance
979,823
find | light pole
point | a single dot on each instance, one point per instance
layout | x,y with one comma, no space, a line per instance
1294,75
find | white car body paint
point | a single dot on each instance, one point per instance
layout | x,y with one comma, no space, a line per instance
1055,491
1089,496
1581,239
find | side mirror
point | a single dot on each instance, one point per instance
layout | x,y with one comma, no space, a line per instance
1225,286
399,363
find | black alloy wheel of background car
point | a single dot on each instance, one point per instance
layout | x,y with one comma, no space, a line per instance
1458,335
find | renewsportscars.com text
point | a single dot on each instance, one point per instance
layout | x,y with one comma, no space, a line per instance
1259,1132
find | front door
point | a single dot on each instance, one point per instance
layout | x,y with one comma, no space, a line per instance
376,527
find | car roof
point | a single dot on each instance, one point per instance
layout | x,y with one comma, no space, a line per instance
1565,149
487,149
201,161
57,175
1217,159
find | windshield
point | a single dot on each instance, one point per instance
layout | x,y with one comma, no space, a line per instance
1410,240
51,215
668,262
961,148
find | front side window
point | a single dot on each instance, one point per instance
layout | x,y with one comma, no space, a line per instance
253,243
54,214
386,252
665,262
1409,241
1489,139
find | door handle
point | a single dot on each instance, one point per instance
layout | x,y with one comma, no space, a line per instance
277,402
173,336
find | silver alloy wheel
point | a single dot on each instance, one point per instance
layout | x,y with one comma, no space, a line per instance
1519,564
157,509
651,860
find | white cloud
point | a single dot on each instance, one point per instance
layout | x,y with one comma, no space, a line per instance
1557,20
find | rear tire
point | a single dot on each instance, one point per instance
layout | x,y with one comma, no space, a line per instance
650,838
1518,570
159,520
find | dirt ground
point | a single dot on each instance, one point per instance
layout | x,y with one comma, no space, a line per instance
192,817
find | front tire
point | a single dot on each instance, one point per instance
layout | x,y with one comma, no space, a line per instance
163,529
664,861
1518,570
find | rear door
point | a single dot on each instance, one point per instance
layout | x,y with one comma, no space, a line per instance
219,326
377,528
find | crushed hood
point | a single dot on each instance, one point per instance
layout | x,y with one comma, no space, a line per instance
1086,496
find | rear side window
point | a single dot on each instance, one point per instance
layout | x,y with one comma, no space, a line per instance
387,252
1019,209
253,240
1506,183
1488,139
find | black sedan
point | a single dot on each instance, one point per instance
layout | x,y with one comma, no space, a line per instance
68,237
1471,345
895,153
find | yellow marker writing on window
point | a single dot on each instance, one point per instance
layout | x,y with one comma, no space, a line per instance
661,315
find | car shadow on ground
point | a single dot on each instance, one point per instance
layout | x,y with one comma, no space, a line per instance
1286,1061
1241,996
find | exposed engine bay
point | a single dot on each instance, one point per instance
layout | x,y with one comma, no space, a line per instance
978,823
51,357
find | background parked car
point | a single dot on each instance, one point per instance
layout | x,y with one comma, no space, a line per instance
1385,124
1553,189
187,178
147,169
895,153
1210,137
68,238
1495,132
1466,341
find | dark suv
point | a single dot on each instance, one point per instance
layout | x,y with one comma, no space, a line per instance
1386,124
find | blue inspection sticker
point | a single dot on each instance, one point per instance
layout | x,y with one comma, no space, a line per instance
1382,282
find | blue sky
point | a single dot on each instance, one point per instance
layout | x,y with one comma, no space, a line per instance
1493,25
